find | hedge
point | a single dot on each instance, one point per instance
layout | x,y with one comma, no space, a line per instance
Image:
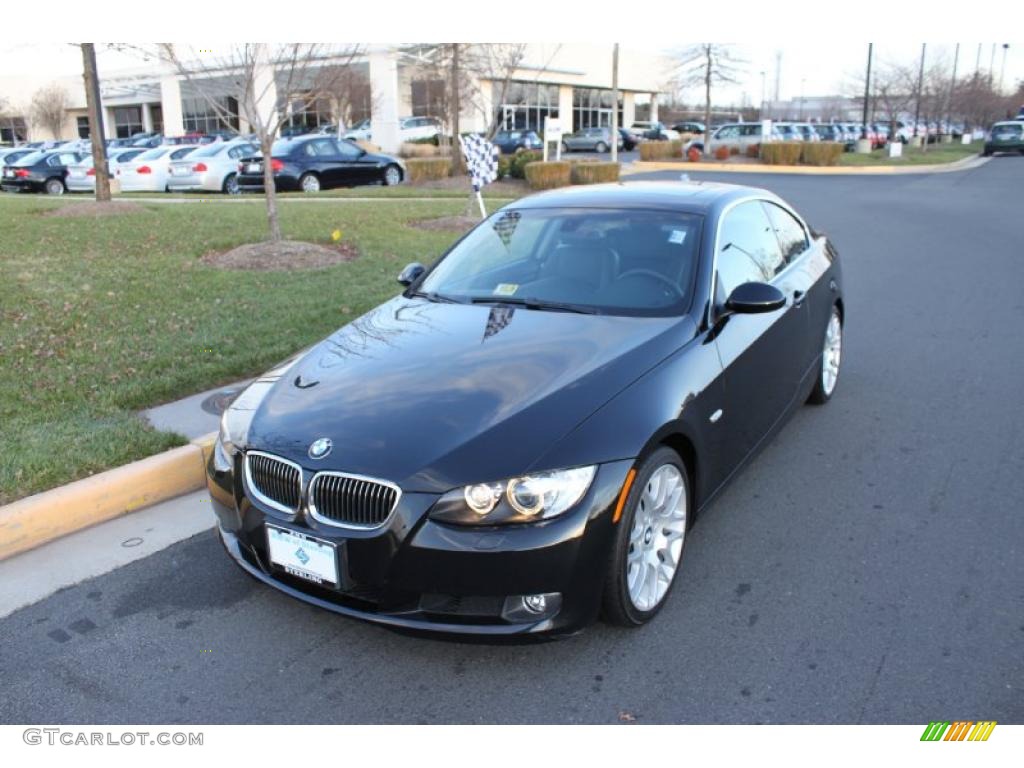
541,175
504,166
822,152
660,150
519,161
781,152
419,149
420,169
594,173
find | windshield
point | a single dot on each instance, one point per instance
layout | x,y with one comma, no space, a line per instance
631,262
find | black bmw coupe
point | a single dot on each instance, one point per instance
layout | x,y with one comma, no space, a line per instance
523,438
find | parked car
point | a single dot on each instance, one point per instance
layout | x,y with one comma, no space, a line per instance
359,132
11,155
39,172
213,168
741,135
830,132
807,131
150,171
691,127
788,131
82,175
546,472
312,163
629,141
409,129
653,130
1005,136
150,139
510,142
590,140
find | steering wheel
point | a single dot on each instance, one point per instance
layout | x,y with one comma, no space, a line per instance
650,274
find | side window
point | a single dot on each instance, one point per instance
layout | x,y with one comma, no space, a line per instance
321,148
346,150
748,250
791,235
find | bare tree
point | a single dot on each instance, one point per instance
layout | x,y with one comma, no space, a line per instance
891,93
261,77
708,65
348,89
49,108
494,64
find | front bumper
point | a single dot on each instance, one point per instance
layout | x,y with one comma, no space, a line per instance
418,574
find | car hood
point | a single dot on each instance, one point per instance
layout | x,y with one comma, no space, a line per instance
435,395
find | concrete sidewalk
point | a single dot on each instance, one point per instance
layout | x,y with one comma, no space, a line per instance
196,415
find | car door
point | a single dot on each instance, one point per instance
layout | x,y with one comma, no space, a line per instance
762,354
321,156
355,166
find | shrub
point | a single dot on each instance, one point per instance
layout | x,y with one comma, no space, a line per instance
753,150
594,172
722,153
658,150
519,162
541,175
675,148
420,169
431,140
418,149
781,152
504,166
821,152
734,151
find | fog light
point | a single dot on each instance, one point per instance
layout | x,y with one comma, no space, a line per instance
531,608
535,603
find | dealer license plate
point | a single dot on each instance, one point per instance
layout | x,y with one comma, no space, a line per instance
304,556
253,168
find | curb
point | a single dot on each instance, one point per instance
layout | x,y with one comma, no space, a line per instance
642,166
36,520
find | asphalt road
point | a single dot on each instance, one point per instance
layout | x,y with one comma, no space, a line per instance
868,567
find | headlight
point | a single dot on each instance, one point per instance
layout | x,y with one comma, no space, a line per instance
537,496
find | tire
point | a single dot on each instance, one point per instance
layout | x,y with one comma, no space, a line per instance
309,182
986,153
601,147
392,176
565,148
230,185
630,598
54,187
831,359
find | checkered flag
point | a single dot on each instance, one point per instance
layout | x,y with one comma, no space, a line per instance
481,160
506,225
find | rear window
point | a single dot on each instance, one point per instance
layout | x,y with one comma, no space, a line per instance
1008,129
210,150
153,154
30,159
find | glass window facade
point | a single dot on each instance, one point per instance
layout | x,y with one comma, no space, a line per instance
525,105
199,116
127,121
83,126
309,114
592,108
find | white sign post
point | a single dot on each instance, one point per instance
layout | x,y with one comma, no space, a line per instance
553,132
896,148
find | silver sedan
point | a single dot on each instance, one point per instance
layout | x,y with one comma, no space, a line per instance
81,176
213,168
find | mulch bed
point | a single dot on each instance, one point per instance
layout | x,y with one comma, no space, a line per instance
94,210
285,256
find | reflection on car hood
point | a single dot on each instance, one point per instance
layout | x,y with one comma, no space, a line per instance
435,395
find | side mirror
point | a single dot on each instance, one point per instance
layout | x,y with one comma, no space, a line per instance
755,298
411,274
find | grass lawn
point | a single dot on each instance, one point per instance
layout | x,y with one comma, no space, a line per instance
100,318
934,155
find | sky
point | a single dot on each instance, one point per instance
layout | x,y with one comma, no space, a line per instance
819,67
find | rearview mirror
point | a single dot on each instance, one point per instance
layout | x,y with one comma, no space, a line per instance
755,298
411,274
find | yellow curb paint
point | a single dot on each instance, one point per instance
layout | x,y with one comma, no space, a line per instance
36,520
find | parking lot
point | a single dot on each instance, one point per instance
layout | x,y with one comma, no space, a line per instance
866,568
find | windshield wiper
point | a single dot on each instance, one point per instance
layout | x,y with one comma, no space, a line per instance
553,306
438,297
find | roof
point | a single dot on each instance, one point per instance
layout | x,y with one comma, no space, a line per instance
689,196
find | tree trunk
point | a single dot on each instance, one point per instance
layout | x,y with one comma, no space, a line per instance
92,101
269,190
707,104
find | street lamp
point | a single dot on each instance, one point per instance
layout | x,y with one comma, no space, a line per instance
1002,69
802,81
762,93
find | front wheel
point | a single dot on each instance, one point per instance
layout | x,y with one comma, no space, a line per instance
831,357
601,147
649,541
309,183
392,176
54,187
565,148
230,186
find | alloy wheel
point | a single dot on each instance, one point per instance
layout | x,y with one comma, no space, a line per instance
54,187
392,176
656,538
832,353
310,183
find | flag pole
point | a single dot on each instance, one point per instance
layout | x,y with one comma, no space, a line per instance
480,200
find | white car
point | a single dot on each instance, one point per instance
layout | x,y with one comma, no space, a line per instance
409,129
81,176
211,168
150,171
653,129
741,135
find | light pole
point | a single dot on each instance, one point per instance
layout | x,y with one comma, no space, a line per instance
762,93
1002,68
803,80
920,86
867,96
615,103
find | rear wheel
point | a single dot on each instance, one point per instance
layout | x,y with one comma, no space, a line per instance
230,185
54,187
565,148
309,183
649,541
601,147
831,357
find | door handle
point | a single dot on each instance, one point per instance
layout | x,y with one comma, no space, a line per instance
798,298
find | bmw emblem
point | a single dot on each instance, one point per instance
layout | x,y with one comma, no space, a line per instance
320,448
